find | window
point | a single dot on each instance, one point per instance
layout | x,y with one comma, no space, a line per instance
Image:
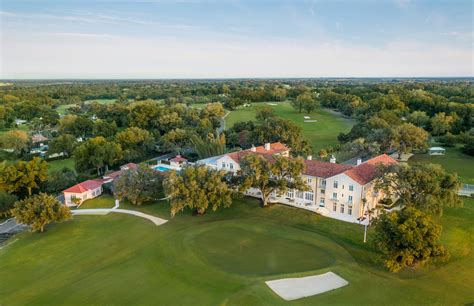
351,187
290,194
336,184
323,183
342,208
299,194
350,199
334,195
334,207
309,180
231,166
349,210
321,202
309,196
223,165
323,191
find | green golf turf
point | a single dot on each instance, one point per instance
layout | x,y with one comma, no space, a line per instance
222,258
319,134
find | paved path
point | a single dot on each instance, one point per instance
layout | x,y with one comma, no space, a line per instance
10,226
104,211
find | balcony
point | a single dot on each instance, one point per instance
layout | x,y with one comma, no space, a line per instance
322,186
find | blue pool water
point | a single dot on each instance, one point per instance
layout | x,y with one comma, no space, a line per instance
162,169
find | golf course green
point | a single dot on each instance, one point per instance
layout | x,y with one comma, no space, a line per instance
222,258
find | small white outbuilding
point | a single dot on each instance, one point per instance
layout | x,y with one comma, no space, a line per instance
436,151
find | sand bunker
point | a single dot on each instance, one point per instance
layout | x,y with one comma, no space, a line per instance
297,288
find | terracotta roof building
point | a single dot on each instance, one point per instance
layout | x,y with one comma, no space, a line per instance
77,194
366,172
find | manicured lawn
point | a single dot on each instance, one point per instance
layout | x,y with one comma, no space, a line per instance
222,258
320,134
454,161
102,101
57,165
21,127
63,108
104,201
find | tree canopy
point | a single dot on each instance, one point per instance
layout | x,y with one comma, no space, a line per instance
198,188
408,238
426,187
97,153
23,177
271,174
39,210
139,186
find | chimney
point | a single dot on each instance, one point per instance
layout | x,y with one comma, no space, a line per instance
359,161
332,160
310,157
267,146
253,148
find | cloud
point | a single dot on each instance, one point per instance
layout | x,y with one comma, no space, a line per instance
83,35
130,57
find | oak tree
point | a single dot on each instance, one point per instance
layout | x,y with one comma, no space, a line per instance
39,210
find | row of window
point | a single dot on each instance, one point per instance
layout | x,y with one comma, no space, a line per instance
231,165
309,196
336,185
349,198
342,208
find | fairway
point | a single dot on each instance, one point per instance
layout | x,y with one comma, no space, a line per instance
222,258
454,162
319,134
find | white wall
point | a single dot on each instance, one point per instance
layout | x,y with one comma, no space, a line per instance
225,163
90,194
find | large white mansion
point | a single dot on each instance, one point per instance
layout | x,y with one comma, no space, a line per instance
343,192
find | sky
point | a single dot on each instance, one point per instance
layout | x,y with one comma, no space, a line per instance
235,39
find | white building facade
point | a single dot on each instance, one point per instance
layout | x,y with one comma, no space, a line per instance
342,192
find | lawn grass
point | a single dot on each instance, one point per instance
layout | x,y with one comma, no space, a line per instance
222,258
62,109
21,127
59,164
453,161
320,134
104,201
102,101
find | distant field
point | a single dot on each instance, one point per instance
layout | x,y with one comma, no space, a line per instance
63,108
454,161
22,127
57,165
102,101
320,134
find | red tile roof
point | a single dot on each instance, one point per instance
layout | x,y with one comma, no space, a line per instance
113,175
129,166
275,148
85,186
324,169
366,171
178,159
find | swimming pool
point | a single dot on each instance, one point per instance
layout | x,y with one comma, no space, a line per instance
161,168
